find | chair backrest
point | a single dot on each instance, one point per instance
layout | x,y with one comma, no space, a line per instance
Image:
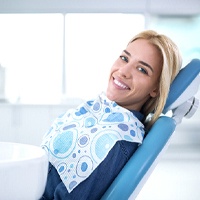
185,85
182,102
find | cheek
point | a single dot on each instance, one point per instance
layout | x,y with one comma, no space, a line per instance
112,70
115,65
143,86
156,83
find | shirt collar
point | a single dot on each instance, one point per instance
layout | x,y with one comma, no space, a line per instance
138,114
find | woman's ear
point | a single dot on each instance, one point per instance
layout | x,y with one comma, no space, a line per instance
154,92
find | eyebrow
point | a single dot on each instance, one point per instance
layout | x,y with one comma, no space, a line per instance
140,61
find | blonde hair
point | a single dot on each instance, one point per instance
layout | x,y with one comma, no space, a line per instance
171,64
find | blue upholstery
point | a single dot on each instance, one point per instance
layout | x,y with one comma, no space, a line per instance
182,81
134,174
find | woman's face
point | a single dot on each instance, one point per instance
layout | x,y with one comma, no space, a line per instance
134,77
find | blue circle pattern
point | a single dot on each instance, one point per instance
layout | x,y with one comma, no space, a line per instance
81,139
63,142
103,143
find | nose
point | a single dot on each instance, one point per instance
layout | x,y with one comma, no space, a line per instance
125,71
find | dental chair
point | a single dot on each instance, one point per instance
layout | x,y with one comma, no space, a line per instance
180,103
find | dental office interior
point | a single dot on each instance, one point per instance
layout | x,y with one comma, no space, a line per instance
56,54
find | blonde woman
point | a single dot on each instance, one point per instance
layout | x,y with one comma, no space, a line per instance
88,146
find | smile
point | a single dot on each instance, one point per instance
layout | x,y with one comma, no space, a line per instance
121,85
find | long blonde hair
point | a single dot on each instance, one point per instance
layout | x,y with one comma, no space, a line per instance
171,64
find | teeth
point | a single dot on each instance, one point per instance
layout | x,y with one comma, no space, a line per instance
120,84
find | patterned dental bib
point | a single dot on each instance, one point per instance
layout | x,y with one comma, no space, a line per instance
79,140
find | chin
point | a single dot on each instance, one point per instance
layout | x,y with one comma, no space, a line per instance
110,96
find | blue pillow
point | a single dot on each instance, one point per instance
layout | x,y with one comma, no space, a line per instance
184,85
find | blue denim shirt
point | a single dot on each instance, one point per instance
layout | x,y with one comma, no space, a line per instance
98,182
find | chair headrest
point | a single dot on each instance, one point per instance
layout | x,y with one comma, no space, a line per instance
184,86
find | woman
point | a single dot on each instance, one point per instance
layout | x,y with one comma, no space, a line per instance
138,85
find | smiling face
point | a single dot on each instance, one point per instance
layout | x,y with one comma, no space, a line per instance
134,77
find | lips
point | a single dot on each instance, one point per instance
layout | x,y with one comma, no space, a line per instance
121,85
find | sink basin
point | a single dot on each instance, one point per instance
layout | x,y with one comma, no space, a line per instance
23,171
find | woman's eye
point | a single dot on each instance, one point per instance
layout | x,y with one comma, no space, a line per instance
124,58
144,71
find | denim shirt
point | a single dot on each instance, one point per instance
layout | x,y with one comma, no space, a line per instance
98,182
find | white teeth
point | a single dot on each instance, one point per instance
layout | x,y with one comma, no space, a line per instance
120,84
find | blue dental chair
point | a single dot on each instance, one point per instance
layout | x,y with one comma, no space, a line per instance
181,103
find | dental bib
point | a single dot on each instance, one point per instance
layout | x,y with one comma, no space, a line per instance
79,140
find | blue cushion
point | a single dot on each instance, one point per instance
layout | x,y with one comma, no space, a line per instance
182,81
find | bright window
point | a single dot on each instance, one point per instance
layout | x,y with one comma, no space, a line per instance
31,50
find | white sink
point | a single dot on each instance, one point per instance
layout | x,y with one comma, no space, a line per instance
23,171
